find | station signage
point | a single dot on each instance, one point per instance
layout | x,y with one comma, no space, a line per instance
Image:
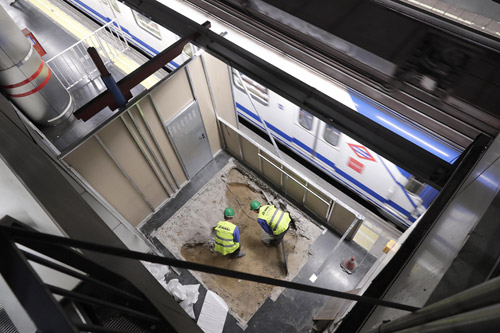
362,152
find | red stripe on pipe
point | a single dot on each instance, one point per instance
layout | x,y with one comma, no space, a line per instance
28,80
36,89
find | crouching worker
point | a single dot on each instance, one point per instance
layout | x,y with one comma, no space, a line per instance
227,239
273,221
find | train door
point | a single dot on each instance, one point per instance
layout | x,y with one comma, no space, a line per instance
304,133
110,9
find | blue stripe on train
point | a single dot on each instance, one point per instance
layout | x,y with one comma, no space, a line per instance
341,173
369,110
105,20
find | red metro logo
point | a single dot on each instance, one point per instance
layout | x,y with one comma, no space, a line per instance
362,152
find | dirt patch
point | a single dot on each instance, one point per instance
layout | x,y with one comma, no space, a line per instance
189,235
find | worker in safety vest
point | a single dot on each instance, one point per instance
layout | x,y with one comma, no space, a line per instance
274,221
227,239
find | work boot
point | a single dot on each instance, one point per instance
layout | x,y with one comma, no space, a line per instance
273,243
240,254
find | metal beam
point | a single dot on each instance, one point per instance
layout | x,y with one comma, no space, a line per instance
133,79
30,290
400,151
83,277
96,302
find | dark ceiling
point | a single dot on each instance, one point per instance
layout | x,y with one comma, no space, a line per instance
436,73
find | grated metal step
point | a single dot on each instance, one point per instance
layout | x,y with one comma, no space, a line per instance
123,323
6,325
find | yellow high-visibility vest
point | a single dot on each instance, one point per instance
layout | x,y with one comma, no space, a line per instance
276,219
224,242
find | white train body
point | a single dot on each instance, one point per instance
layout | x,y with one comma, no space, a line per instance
401,197
145,34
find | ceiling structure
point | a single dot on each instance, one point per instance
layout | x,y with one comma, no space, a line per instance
433,63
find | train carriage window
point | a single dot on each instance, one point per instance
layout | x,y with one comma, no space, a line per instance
114,4
146,24
414,186
306,119
257,91
331,135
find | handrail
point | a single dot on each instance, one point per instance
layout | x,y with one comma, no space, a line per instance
80,41
115,292
305,187
71,66
307,180
25,238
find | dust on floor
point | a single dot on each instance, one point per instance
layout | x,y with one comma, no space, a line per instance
189,235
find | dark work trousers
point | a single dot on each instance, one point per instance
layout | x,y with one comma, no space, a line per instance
276,239
235,253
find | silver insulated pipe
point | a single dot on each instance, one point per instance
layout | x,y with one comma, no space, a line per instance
27,81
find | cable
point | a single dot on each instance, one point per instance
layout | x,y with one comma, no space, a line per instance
239,204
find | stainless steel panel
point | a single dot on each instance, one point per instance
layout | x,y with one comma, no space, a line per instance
190,139
433,257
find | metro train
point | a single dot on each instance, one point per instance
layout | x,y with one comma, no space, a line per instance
139,30
399,196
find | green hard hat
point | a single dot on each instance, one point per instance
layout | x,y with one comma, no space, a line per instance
228,212
254,205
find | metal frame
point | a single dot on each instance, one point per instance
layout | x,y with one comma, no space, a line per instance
162,123
212,98
474,298
155,158
52,243
178,155
199,109
155,141
305,179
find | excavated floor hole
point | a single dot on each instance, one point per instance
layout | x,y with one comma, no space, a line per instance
189,235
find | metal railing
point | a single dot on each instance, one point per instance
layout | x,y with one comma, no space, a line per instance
99,289
309,186
73,65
